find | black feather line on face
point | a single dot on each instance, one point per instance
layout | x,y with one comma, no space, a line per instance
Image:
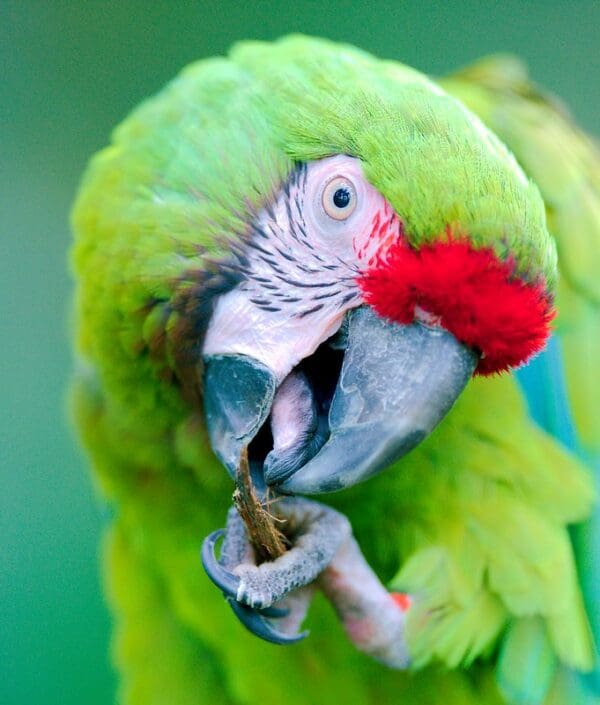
314,309
285,255
307,285
346,299
326,295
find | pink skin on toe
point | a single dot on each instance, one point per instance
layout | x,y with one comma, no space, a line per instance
374,619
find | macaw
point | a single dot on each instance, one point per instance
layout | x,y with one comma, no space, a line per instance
335,264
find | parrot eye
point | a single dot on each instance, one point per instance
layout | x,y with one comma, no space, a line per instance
339,198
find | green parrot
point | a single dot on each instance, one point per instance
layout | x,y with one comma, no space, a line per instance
335,262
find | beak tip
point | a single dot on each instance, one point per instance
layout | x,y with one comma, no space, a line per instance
371,451
275,472
295,486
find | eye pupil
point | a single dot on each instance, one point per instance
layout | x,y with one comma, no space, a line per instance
341,198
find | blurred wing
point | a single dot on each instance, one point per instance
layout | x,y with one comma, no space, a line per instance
563,384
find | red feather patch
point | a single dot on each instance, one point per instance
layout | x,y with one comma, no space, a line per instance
472,294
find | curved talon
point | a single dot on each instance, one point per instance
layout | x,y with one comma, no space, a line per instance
222,578
253,619
256,623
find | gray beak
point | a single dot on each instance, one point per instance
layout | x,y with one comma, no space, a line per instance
396,384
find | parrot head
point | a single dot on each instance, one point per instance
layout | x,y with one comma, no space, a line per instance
320,247
403,251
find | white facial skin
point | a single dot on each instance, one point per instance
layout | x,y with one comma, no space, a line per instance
303,260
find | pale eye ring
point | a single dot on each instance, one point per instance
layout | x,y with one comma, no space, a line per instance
339,198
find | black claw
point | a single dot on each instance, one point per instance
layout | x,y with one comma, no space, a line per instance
222,578
253,619
256,623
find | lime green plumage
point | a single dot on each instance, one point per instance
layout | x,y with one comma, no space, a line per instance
474,521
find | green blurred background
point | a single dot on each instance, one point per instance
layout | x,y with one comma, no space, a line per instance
69,71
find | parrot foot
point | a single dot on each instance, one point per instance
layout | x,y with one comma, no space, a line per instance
253,618
252,590
374,619
324,555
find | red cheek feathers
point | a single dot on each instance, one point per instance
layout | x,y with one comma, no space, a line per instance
474,295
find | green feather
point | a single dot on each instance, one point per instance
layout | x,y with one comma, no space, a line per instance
527,663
